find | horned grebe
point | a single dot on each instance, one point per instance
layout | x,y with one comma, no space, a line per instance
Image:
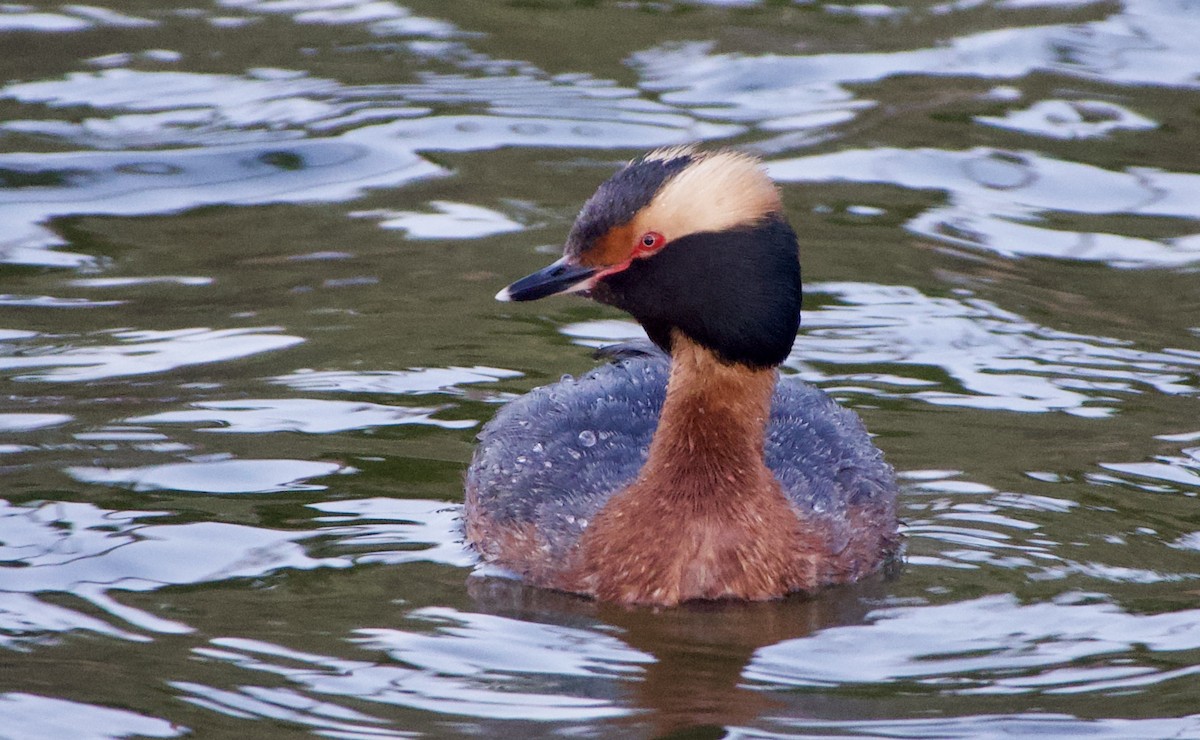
686,471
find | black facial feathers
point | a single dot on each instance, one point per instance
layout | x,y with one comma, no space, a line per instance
620,197
736,292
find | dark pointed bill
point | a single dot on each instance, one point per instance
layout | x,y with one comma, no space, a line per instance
553,279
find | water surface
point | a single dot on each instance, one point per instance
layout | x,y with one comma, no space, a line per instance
247,255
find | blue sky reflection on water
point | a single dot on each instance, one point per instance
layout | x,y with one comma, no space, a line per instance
247,336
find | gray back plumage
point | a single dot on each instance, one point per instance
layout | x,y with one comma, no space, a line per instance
553,458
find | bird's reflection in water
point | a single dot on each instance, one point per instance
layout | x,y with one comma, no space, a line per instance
693,688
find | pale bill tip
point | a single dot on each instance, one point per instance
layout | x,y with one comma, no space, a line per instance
504,296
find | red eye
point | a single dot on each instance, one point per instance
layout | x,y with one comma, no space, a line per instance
650,241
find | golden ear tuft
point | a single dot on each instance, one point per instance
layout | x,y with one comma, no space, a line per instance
666,154
718,191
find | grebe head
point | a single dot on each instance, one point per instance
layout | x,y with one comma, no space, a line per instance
688,242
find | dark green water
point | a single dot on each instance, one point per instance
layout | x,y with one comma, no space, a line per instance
248,250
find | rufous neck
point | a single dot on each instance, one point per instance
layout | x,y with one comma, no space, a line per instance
714,420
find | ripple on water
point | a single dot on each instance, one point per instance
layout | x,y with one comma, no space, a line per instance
16,17
481,133
129,183
956,523
450,221
215,476
1166,473
395,382
307,415
28,422
212,109
998,359
47,301
132,280
381,18
31,716
485,645
89,551
992,645
471,665
997,199
1044,725
190,105
285,705
394,531
1148,42
253,131
142,353
1071,119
